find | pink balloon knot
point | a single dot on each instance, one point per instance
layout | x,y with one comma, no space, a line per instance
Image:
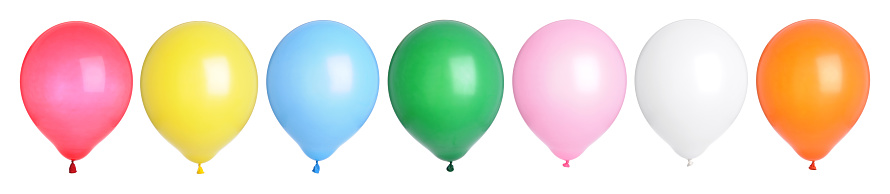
566,164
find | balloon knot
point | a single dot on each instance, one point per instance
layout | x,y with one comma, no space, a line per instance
813,165
566,164
200,170
450,167
688,162
72,169
316,168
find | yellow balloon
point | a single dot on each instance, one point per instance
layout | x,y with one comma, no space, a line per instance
199,87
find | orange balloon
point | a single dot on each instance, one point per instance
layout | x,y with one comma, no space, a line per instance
812,82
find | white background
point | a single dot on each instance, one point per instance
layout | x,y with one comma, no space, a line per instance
382,156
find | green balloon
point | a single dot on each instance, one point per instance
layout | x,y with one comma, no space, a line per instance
446,84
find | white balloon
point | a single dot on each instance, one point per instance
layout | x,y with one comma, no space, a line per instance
691,82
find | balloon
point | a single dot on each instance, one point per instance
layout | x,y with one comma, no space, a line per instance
569,83
812,82
691,81
199,86
76,84
446,85
322,83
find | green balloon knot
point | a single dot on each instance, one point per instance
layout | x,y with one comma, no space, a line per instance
450,167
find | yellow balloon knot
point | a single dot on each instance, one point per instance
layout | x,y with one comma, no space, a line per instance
200,170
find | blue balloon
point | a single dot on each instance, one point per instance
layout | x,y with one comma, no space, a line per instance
322,83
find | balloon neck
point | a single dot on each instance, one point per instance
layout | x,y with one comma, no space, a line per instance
688,162
450,167
566,164
813,165
72,169
316,168
200,170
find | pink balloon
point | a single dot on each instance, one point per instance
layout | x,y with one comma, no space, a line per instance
569,83
76,83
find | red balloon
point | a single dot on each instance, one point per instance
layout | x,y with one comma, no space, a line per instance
76,84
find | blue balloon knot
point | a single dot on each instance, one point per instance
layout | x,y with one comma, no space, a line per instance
316,168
